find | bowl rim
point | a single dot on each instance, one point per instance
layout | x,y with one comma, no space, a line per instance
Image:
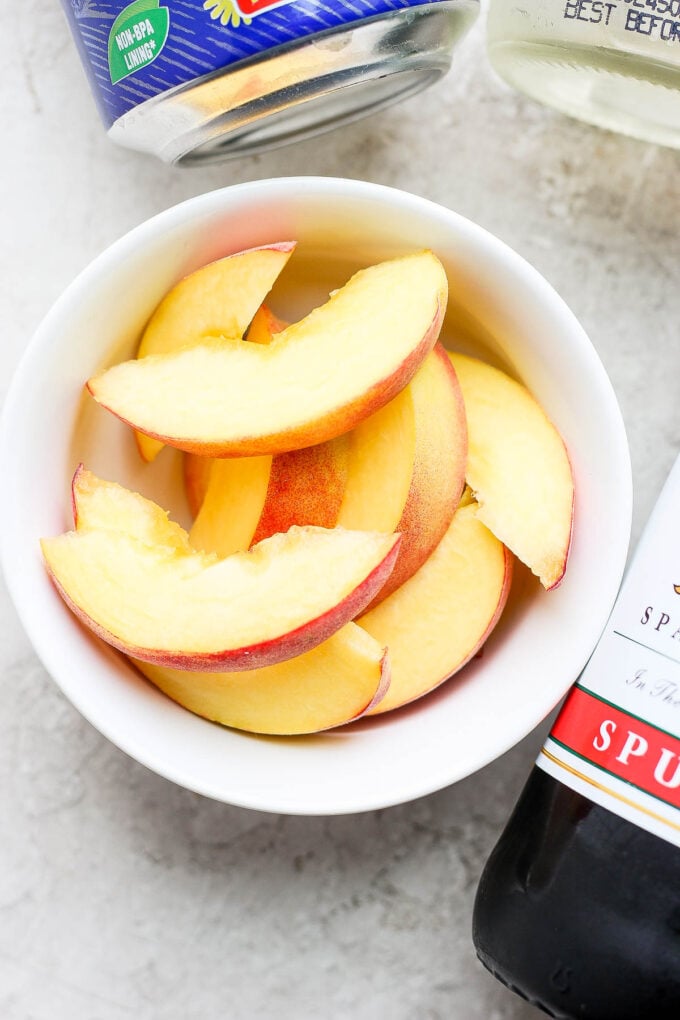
175,216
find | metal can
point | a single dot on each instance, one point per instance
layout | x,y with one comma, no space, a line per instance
202,80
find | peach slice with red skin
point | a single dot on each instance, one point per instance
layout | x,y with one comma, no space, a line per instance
333,684
158,602
518,469
228,398
219,299
338,681
402,469
239,502
407,467
264,325
248,499
251,498
305,487
439,619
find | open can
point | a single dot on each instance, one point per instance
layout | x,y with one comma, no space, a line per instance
202,80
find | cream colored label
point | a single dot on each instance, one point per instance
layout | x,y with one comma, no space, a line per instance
617,738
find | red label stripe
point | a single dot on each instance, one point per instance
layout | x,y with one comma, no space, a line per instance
620,744
252,7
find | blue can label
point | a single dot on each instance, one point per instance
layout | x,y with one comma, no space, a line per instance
134,51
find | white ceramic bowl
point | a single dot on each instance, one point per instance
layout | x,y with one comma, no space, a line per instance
500,306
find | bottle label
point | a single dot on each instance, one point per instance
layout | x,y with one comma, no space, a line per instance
135,51
617,738
646,25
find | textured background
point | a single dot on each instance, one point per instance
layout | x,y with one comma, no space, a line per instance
122,896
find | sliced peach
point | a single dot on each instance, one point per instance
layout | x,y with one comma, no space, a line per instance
196,477
438,619
102,505
228,483
315,381
518,469
232,505
160,603
264,325
305,487
338,681
407,466
244,500
219,299
402,469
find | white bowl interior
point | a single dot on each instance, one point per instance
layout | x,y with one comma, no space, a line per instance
499,307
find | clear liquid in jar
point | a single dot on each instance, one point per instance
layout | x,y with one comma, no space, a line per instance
614,64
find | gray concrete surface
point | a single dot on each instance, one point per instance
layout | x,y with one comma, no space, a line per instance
122,896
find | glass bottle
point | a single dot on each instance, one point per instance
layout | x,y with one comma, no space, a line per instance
578,908
614,63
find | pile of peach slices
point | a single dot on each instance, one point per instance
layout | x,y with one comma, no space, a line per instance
338,564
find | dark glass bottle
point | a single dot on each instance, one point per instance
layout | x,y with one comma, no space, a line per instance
578,908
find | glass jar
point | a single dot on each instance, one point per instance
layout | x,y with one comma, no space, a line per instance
614,63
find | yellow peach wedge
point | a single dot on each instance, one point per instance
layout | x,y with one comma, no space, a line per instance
318,378
402,469
518,469
219,299
164,603
333,684
438,619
